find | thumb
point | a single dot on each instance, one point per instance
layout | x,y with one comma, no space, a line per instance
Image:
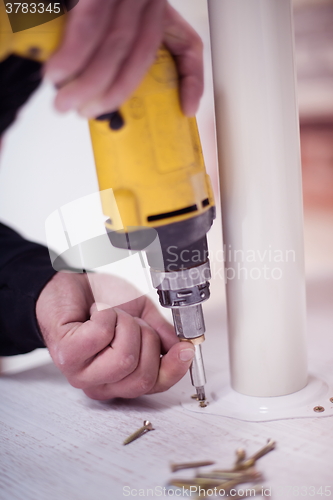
174,365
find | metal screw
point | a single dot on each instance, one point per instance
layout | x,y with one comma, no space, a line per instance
190,465
147,426
240,456
331,399
266,449
246,464
203,403
247,475
319,409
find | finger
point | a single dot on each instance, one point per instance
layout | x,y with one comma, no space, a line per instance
100,72
143,379
174,365
163,328
86,26
112,291
83,341
115,362
187,48
135,66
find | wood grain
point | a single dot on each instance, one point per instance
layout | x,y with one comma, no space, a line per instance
57,444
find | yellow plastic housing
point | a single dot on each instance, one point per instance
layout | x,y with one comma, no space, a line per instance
154,163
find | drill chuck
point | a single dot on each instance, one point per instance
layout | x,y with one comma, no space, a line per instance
184,287
183,291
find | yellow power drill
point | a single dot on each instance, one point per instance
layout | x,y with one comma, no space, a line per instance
148,156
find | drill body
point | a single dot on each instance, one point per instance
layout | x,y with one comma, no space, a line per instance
150,154
155,192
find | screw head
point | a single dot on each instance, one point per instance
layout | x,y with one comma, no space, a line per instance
240,454
318,409
331,399
148,425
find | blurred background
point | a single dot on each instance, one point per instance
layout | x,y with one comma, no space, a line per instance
313,21
47,160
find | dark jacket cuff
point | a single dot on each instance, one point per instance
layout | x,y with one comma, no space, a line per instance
21,281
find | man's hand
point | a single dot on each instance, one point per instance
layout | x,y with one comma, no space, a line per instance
108,47
114,352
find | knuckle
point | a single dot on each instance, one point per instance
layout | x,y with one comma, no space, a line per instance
115,374
147,382
128,363
61,360
123,368
141,386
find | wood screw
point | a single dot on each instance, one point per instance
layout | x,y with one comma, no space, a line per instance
147,426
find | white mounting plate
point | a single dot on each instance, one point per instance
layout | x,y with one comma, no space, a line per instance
226,402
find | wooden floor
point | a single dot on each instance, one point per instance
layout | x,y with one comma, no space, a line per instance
59,445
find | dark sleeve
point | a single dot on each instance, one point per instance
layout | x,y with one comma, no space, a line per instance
25,268
19,77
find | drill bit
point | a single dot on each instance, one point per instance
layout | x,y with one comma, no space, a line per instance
201,393
197,371
190,326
